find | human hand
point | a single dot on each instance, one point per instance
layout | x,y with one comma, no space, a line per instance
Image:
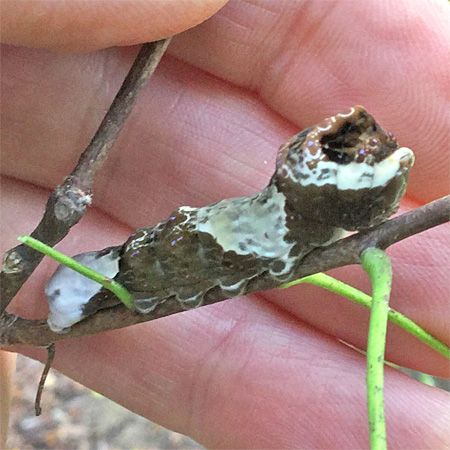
265,370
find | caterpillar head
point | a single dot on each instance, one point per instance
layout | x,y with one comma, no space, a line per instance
345,171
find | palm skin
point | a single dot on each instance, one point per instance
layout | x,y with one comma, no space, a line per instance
267,370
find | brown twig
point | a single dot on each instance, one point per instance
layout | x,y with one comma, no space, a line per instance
40,390
67,203
15,330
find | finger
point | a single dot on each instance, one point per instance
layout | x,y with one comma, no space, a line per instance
441,416
430,177
328,87
157,169
7,368
253,352
308,60
233,140
420,291
259,357
22,204
244,375
85,26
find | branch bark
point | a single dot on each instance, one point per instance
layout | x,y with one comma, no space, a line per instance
15,330
67,204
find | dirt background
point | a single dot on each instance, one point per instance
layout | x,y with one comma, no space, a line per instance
74,417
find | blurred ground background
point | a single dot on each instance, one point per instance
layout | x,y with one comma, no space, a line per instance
74,417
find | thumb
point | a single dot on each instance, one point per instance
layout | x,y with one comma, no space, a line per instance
78,25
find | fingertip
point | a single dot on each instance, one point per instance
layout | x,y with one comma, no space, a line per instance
86,26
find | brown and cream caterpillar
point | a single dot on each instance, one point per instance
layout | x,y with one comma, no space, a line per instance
345,173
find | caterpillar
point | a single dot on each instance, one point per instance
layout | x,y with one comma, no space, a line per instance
345,173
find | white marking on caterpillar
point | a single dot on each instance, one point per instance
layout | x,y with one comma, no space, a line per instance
233,287
147,305
68,291
189,212
138,242
389,168
343,114
192,302
354,175
253,225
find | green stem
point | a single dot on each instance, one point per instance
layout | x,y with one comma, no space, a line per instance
354,295
116,288
378,266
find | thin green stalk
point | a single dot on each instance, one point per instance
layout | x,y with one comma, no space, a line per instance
116,288
378,266
356,296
